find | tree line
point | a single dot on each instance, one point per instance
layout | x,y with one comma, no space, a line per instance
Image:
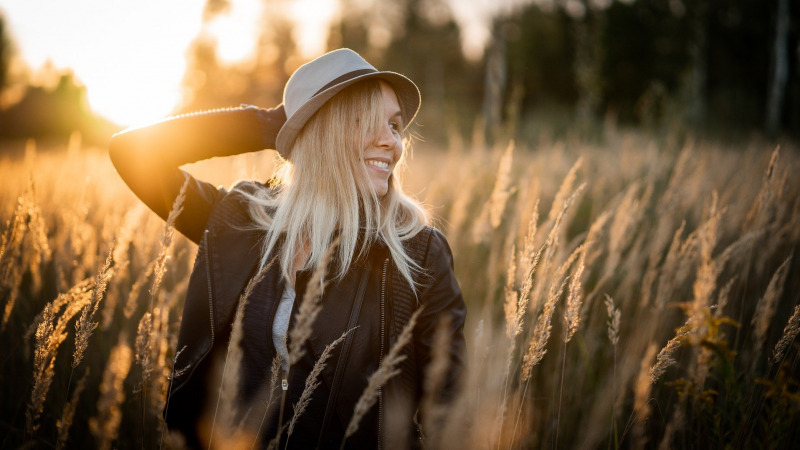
701,65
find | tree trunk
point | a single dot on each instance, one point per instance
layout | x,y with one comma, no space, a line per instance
698,74
779,69
495,83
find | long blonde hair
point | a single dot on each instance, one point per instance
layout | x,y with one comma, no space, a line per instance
325,191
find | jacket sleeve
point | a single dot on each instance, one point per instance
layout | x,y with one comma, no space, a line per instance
442,302
148,158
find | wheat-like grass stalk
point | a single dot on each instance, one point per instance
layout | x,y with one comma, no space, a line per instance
10,270
669,268
572,315
310,307
433,410
133,295
275,371
541,333
85,324
613,336
40,251
789,334
641,396
226,406
386,370
50,334
166,239
491,215
312,383
562,196
143,347
121,266
765,308
68,415
613,321
105,425
510,306
502,188
761,211
665,357
705,281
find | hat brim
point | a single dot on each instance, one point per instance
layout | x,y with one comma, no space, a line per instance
407,94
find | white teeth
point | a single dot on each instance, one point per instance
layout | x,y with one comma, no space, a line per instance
381,164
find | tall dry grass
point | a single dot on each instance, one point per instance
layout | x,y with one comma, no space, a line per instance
652,302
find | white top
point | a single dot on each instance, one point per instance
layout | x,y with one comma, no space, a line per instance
281,324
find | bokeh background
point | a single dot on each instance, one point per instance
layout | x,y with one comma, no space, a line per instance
723,67
617,181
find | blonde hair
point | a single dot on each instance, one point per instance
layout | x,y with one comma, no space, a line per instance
325,192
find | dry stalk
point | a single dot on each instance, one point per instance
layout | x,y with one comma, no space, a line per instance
275,371
105,425
560,201
310,307
85,324
166,239
68,415
789,333
641,395
572,316
492,213
49,336
312,383
664,359
433,411
541,333
226,406
386,370
765,308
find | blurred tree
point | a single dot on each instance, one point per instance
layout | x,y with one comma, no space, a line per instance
696,83
276,57
427,47
55,112
540,54
5,53
779,68
495,79
588,26
209,84
645,48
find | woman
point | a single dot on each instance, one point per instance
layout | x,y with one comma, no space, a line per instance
339,133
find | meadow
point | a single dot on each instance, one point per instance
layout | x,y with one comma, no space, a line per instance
629,292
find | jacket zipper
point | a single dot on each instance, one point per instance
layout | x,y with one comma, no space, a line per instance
345,351
193,366
383,336
208,280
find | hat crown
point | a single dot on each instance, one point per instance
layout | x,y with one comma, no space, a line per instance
312,77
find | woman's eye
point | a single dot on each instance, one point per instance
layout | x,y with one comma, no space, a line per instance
394,126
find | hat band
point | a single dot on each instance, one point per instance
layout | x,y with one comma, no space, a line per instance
345,77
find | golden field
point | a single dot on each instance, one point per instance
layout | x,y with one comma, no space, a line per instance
639,292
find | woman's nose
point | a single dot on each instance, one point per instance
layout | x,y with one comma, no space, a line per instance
386,138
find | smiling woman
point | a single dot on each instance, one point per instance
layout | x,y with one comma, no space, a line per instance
332,234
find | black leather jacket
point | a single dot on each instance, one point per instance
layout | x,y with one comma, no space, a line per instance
366,298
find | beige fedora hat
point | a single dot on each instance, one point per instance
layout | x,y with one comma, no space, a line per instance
315,82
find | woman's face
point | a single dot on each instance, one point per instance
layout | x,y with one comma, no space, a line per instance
382,154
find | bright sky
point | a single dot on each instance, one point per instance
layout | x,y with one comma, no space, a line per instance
130,54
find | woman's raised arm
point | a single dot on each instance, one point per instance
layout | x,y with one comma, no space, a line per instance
148,158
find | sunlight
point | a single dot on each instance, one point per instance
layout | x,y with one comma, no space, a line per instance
130,55
236,31
312,19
